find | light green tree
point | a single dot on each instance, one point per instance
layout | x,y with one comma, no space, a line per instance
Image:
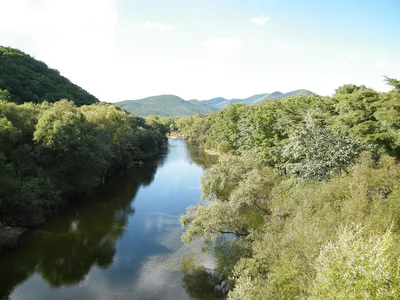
357,266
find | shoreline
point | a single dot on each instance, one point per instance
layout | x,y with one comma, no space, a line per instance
10,236
185,138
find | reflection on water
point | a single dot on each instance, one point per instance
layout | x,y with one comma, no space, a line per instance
123,242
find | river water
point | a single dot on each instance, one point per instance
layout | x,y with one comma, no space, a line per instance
122,242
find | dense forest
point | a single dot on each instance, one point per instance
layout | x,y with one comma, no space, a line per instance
29,80
305,201
52,152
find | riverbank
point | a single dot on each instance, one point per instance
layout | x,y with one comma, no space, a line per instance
178,136
211,152
122,240
10,236
186,138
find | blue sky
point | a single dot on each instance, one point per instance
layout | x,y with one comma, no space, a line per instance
120,49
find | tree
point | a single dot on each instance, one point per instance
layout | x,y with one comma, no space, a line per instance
393,82
51,152
348,89
314,151
357,266
4,95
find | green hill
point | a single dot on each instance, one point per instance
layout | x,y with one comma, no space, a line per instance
203,106
174,106
214,101
258,99
165,106
30,80
294,93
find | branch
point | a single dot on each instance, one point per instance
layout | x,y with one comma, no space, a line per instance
237,233
265,210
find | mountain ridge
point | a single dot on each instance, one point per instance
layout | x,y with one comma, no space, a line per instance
164,106
174,106
30,80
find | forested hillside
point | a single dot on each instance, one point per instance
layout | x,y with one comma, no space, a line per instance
305,203
30,80
164,106
173,106
261,98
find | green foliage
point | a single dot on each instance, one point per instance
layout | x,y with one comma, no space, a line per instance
282,224
4,95
290,238
355,118
314,151
30,80
356,266
256,99
393,82
348,89
51,152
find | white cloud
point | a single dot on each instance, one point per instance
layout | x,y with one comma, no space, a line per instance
73,36
223,45
159,26
261,20
381,64
354,54
48,16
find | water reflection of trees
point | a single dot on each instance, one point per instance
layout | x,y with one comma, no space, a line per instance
199,282
65,249
201,157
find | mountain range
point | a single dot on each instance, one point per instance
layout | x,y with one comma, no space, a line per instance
29,80
174,106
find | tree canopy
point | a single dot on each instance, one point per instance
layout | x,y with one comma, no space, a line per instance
304,202
50,152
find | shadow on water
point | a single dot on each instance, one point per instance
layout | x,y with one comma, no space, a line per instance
202,158
84,234
99,247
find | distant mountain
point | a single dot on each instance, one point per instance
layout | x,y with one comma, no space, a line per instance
165,106
255,99
260,98
214,101
293,93
206,108
174,106
275,94
31,80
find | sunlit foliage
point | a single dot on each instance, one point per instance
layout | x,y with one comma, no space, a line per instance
51,152
308,197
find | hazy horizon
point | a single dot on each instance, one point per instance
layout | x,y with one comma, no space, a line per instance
206,98
119,50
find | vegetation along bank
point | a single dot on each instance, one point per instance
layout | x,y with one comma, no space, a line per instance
305,203
50,152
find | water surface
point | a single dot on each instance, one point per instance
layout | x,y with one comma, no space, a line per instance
123,242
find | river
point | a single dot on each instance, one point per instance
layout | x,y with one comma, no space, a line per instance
121,242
